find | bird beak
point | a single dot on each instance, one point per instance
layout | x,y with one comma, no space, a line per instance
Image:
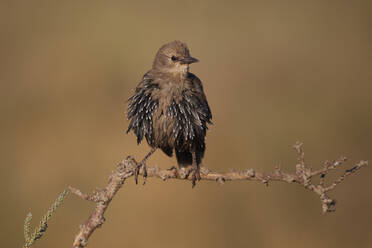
188,60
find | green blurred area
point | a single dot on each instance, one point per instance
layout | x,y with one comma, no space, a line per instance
274,72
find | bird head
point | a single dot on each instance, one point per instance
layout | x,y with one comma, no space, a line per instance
173,57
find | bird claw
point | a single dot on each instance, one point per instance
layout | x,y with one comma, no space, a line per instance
137,172
195,175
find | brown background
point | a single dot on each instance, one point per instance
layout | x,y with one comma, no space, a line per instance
274,72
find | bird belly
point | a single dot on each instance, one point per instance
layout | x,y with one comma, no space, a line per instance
163,126
176,123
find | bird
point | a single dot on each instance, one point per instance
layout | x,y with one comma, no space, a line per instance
170,110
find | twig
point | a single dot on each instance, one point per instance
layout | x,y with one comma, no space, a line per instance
43,225
302,176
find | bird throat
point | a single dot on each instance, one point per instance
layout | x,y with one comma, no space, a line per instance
178,71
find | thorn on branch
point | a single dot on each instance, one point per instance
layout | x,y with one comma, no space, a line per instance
301,155
278,170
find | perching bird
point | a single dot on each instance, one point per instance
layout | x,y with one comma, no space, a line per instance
170,109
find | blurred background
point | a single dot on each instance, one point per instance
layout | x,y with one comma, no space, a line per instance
274,72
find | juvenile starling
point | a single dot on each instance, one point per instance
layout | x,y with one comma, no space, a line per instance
170,109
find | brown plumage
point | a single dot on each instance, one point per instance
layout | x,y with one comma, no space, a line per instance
169,108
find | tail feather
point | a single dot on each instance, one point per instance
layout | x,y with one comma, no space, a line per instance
167,150
184,158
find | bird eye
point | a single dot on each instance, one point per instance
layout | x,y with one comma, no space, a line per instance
174,58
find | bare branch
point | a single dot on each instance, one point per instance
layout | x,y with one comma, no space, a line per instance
95,197
347,172
302,176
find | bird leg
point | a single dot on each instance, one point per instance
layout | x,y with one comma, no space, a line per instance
195,169
143,165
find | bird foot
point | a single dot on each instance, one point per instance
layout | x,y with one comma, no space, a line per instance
195,175
137,172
